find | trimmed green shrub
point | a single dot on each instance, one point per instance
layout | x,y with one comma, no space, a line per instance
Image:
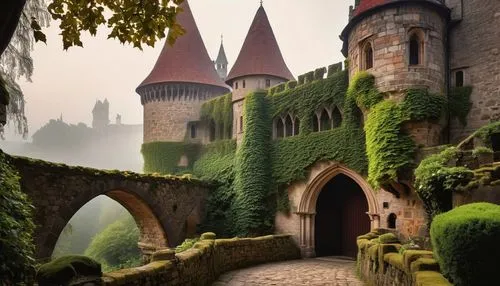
388,238
466,244
16,228
208,235
62,270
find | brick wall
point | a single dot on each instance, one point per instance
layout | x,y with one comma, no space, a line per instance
388,31
475,50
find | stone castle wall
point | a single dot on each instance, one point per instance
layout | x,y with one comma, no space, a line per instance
389,31
475,50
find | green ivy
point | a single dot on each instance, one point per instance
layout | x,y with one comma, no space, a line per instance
220,110
420,104
484,133
459,103
362,90
252,182
16,229
163,157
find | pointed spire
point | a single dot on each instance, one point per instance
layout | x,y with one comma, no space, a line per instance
187,60
260,54
221,57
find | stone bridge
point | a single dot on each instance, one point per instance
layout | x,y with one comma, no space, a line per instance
160,205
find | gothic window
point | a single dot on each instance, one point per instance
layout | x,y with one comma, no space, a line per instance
288,126
268,83
296,126
391,221
325,122
212,130
280,128
193,131
416,50
368,56
244,84
459,78
315,124
336,117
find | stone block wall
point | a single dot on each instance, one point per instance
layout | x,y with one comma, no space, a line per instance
203,263
382,264
475,50
389,31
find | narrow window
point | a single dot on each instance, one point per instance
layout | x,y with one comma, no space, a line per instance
212,131
336,117
459,79
314,120
368,56
193,131
236,85
241,123
414,50
296,126
325,122
280,128
288,126
244,84
268,83
391,220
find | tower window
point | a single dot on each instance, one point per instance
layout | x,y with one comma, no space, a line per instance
244,84
236,85
459,79
415,50
193,131
268,83
368,51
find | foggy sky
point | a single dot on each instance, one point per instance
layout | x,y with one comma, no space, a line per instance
70,82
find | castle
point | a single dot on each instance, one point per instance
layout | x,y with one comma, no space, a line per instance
445,48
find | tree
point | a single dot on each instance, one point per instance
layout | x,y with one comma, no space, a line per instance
135,22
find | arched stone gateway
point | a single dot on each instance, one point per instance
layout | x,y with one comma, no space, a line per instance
162,207
348,193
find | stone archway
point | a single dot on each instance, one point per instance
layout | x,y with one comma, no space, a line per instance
308,203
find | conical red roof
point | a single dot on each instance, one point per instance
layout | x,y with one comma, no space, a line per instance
187,60
365,5
260,54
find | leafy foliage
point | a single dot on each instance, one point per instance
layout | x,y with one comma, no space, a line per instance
484,133
62,270
252,170
220,110
459,103
188,243
362,90
465,242
389,150
132,22
16,228
164,157
436,179
420,104
116,246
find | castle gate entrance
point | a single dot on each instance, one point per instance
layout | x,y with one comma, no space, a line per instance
340,217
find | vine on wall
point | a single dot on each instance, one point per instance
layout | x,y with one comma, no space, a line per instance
220,110
164,157
459,103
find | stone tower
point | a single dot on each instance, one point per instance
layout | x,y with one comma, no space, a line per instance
181,80
221,62
259,65
100,114
403,44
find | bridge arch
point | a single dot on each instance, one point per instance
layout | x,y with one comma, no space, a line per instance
307,208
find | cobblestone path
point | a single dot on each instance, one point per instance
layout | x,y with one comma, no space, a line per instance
317,271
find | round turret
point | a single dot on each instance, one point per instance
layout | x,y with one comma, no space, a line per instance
401,42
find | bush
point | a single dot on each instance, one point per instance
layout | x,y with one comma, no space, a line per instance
16,229
388,238
62,270
188,243
466,243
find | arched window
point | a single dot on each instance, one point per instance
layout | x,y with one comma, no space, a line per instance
315,124
325,122
368,56
288,126
391,220
212,131
280,128
336,117
296,126
416,49
193,131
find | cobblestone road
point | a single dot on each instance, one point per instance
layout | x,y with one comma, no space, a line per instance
317,271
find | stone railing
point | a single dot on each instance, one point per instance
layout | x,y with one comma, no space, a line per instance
203,263
382,264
